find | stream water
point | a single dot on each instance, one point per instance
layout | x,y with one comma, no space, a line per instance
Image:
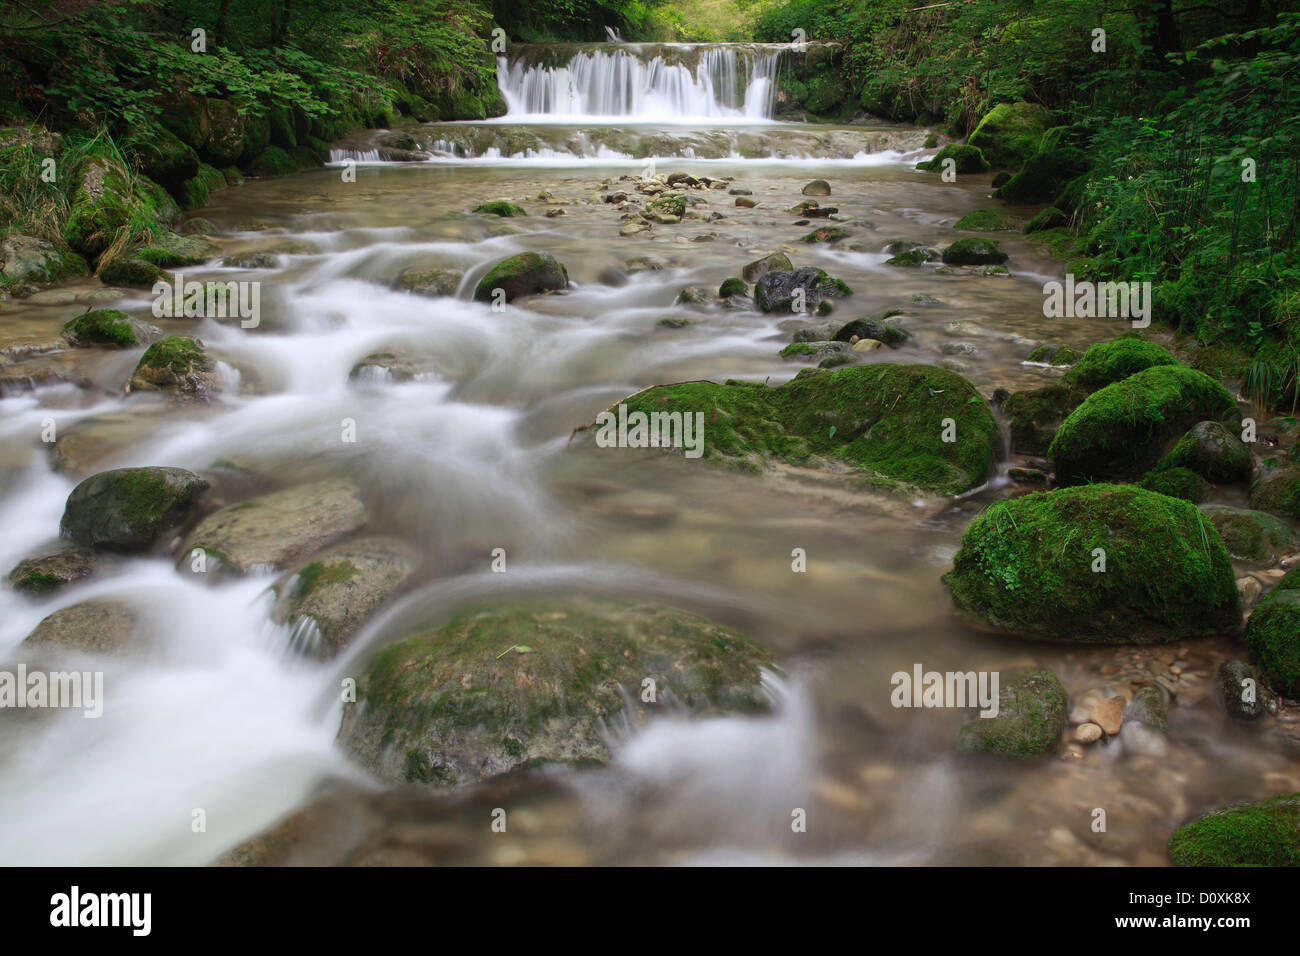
474,455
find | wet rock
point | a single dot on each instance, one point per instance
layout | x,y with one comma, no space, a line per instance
1253,536
500,207
1212,451
251,259
280,528
818,187
1148,707
1028,476
1273,636
131,273
827,234
523,684
965,159
814,351
430,282
1253,834
177,364
821,332
383,367
695,295
974,252
328,599
197,226
782,291
1055,355
1108,714
1010,133
776,262
1026,567
1087,733
527,273
1239,692
1030,720
745,202
95,627
38,261
666,210
1036,415
633,228
108,328
128,509
50,572
732,286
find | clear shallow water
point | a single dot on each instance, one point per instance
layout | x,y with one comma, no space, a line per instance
475,456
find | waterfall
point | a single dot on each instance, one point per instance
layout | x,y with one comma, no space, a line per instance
650,82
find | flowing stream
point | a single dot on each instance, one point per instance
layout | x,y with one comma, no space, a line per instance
473,454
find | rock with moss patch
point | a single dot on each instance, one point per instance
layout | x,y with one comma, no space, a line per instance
275,530
170,251
528,273
38,261
828,234
1010,133
1026,567
732,286
779,291
91,627
1030,720
1253,536
1035,416
1277,490
1122,430
987,220
1108,362
974,252
1053,355
1273,636
1241,695
128,509
889,333
1177,483
523,684
176,364
1253,834
887,421
776,262
813,351
107,328
666,210
50,572
327,600
100,207
1043,175
430,282
965,158
131,273
502,208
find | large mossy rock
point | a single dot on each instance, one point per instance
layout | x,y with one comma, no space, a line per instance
105,328
161,155
1026,568
1212,451
518,685
1108,362
128,509
966,159
1119,432
177,364
1273,636
40,261
1044,175
1010,133
100,206
1253,834
1277,490
887,420
973,251
339,588
274,531
1030,720
780,291
527,273
1036,415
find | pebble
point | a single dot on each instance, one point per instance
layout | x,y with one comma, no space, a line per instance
1087,733
745,202
1108,714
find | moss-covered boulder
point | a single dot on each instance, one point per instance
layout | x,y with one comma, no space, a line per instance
170,251
1057,355
100,206
276,530
889,421
105,328
517,685
128,509
1030,720
132,273
1277,490
29,259
500,207
1122,430
1213,452
1010,133
732,286
1043,176
882,330
1241,695
328,599
1253,834
50,572
1177,483
973,251
1273,636
1026,567
987,220
271,162
527,273
1035,416
966,159
780,291
160,154
827,234
177,364
1108,362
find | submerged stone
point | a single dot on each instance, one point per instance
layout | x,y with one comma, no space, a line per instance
128,509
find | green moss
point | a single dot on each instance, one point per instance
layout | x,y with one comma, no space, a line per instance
811,350
274,161
1010,133
1252,535
827,234
1178,483
1121,430
913,257
968,159
732,286
178,353
1255,834
986,220
1273,636
1043,176
522,274
1036,415
1212,451
973,252
499,207
37,582
886,419
194,193
1030,720
1278,491
101,327
1108,362
1026,567
317,573
132,273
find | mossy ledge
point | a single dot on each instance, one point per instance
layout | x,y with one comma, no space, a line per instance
887,420
1254,834
1026,567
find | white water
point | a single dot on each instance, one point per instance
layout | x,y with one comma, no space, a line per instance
727,84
